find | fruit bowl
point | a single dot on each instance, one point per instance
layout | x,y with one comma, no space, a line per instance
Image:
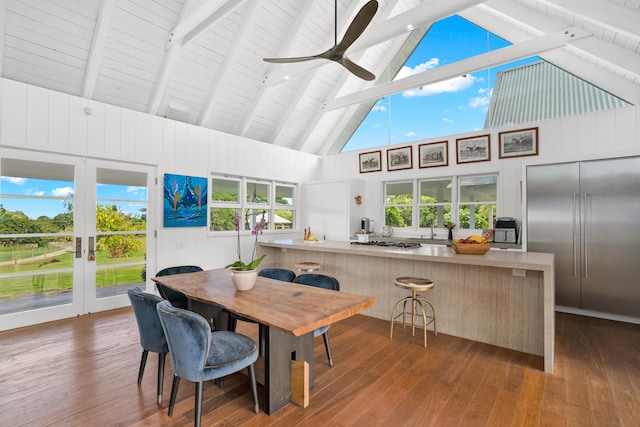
471,248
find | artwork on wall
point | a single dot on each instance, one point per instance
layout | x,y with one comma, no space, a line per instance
185,201
371,161
473,149
399,158
434,154
518,143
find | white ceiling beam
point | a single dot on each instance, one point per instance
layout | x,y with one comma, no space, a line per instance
424,14
515,22
98,45
202,18
230,58
168,63
611,16
284,49
505,55
3,20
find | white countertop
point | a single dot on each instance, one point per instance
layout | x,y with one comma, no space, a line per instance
434,253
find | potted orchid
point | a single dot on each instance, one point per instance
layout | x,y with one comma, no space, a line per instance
243,275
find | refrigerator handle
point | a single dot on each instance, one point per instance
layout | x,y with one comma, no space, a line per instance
585,245
575,235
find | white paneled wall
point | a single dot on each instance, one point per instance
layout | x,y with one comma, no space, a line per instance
614,133
33,118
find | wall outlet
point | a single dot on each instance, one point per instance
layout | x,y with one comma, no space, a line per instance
519,272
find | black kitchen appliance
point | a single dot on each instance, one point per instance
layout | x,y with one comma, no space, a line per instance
506,230
401,245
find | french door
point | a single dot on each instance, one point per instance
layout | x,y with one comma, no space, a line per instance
74,235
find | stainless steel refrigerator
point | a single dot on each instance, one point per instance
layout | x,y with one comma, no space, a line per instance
588,214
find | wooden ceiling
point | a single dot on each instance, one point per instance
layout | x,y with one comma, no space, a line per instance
201,61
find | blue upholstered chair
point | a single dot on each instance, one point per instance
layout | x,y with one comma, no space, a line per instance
177,299
198,354
326,282
151,334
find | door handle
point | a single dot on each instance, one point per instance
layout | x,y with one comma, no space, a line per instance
575,235
92,252
585,230
78,249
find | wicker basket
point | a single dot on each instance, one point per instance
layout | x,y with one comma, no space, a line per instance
471,248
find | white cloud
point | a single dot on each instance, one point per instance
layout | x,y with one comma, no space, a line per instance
407,71
379,107
447,120
38,193
482,100
411,134
15,180
62,192
134,189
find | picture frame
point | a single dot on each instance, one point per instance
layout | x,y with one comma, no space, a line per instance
473,149
518,143
371,161
433,154
399,158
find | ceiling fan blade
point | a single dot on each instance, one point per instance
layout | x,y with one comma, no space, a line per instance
356,69
358,25
288,60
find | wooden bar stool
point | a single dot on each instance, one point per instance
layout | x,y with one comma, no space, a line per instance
307,266
415,285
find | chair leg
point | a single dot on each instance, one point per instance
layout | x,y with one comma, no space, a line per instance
174,393
161,360
325,336
198,408
143,363
254,389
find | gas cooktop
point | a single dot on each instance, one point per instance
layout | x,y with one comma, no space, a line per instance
402,245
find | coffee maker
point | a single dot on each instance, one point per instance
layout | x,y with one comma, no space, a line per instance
366,224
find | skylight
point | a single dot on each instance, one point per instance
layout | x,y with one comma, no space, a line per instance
454,106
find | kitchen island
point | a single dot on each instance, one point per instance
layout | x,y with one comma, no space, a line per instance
503,298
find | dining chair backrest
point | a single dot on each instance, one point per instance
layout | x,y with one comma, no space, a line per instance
189,338
318,280
144,307
277,274
177,299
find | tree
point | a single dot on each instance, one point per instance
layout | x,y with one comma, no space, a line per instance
110,218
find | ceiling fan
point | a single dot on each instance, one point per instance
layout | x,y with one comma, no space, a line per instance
336,53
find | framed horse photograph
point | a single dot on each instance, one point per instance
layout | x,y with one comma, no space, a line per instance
434,154
518,143
473,149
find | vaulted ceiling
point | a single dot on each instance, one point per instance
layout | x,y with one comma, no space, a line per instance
201,61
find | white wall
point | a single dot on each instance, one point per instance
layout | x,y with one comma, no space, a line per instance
614,133
33,118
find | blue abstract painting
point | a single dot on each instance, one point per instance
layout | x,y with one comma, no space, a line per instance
185,201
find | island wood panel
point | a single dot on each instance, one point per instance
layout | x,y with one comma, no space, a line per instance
486,304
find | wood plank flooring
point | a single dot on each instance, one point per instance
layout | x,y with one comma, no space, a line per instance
82,372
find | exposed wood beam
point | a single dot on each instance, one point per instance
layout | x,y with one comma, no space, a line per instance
168,62
202,18
382,30
505,55
98,45
230,58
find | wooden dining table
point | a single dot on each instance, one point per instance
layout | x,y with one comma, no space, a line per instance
290,313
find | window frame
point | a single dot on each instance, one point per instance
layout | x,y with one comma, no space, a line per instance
241,204
455,202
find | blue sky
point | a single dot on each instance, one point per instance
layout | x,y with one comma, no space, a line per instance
455,106
47,197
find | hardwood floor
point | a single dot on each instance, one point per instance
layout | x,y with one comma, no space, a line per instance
82,372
